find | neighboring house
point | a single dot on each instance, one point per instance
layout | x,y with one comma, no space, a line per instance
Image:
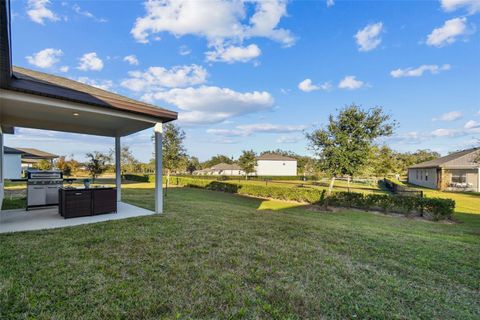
32,156
456,172
222,169
12,166
19,159
271,164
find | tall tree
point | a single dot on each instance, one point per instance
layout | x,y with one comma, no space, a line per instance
384,161
173,148
219,158
247,161
128,162
192,164
97,163
343,146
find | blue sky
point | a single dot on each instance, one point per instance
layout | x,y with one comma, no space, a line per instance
256,75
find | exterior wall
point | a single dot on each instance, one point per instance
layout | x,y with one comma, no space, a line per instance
228,173
276,168
424,177
12,166
472,179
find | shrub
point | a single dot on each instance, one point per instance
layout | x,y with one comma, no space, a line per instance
136,177
439,208
436,207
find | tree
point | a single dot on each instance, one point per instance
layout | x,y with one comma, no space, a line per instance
192,164
43,165
68,167
247,161
97,163
343,146
219,158
384,161
173,149
408,159
128,163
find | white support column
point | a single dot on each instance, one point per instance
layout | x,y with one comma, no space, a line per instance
478,182
158,169
118,168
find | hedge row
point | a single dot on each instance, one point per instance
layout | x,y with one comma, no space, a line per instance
137,177
437,208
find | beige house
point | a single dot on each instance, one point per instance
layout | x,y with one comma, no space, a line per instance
222,169
456,172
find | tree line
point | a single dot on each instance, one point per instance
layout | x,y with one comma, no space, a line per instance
345,147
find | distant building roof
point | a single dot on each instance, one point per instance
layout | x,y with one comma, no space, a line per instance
225,166
8,150
458,160
275,156
31,153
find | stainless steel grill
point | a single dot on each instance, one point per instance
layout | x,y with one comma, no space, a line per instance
42,188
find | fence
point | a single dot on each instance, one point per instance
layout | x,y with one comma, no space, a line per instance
400,190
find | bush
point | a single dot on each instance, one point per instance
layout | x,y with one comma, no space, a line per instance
137,177
435,207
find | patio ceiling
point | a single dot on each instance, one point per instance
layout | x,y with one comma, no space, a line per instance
31,111
39,100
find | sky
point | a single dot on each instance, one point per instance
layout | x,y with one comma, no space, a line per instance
259,74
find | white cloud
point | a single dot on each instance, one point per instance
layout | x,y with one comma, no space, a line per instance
419,71
448,33
232,54
330,3
87,14
64,68
101,84
184,50
441,133
472,124
90,61
249,129
213,104
472,6
449,116
38,12
216,20
369,38
132,60
45,58
351,83
289,139
307,86
157,78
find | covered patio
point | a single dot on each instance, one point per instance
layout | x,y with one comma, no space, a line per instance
48,218
37,100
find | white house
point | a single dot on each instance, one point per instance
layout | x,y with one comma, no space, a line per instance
271,164
222,169
12,166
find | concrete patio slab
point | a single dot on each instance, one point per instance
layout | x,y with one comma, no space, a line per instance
49,218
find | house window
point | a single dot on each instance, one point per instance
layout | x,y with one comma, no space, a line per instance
416,173
459,177
426,175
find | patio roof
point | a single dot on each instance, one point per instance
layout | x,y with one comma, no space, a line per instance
39,100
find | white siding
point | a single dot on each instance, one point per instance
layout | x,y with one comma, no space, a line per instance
424,177
276,168
228,172
12,166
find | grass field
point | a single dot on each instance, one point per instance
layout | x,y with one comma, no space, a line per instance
216,255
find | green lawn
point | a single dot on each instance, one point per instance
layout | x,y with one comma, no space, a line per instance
216,255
